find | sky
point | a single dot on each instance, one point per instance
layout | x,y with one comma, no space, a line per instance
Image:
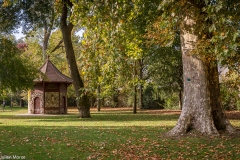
19,35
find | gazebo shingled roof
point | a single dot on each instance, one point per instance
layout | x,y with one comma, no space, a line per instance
52,74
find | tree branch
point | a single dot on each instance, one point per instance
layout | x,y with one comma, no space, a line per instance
58,46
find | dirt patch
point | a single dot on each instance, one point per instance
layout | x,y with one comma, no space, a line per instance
233,114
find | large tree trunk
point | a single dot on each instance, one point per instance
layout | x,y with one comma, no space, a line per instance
202,109
82,98
219,118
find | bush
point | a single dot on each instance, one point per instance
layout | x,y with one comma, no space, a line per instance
172,101
230,96
148,99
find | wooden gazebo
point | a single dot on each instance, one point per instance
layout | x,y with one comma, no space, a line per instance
49,94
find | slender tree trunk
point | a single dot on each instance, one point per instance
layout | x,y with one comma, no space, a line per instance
135,100
47,33
98,98
180,99
202,109
21,102
83,103
46,36
11,105
135,89
141,86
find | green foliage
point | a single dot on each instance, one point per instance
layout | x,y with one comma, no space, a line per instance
58,57
218,29
230,92
102,64
230,98
172,101
33,51
150,101
38,14
9,17
29,14
9,97
164,67
16,72
113,40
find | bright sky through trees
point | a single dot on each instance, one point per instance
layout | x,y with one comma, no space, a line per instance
19,34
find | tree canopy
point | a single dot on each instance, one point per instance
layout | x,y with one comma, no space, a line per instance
16,71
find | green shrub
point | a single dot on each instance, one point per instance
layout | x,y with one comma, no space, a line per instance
230,96
149,102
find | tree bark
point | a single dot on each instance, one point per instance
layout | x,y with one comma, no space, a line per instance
220,120
141,86
47,33
135,100
98,98
83,103
135,89
180,99
202,109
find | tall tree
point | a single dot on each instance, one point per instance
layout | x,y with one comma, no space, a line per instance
67,27
202,110
122,24
104,53
39,15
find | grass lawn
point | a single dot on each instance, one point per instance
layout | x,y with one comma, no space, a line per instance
109,134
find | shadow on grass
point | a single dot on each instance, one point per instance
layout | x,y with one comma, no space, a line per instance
24,129
97,117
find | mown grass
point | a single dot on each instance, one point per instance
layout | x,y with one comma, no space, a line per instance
109,134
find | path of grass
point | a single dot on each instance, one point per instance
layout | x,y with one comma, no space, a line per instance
115,134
